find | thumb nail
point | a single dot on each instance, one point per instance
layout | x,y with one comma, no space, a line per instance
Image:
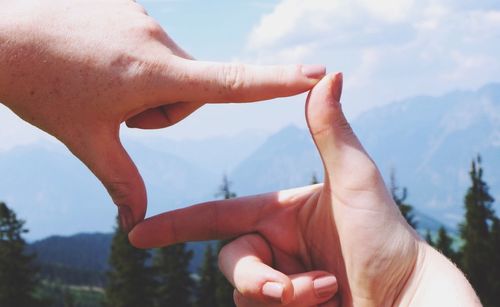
314,71
125,217
273,290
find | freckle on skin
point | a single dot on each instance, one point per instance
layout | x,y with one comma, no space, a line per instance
32,92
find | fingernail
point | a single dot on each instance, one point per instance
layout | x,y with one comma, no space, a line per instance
325,286
273,290
338,79
314,71
125,216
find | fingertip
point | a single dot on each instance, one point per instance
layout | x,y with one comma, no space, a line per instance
325,286
313,72
134,237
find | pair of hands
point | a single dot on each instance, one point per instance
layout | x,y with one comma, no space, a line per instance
291,242
341,243
79,69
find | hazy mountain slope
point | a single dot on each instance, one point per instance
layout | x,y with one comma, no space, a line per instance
429,141
287,159
56,193
215,154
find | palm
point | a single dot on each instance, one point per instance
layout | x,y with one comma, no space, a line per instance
316,221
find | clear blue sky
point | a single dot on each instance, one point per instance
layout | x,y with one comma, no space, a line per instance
387,49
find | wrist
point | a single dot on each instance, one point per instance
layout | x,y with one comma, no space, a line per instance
436,281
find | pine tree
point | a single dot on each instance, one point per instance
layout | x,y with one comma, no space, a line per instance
207,287
18,280
314,179
130,281
399,199
444,244
225,189
175,285
475,232
224,289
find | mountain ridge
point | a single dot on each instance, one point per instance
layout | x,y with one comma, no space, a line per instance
428,140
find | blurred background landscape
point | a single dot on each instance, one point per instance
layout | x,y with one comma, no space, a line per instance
422,91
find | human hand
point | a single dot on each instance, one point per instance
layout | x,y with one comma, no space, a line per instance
78,69
349,226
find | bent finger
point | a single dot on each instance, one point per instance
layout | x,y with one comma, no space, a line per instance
246,263
103,153
163,116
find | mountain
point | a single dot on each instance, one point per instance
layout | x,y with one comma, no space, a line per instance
428,141
217,155
82,259
287,159
57,194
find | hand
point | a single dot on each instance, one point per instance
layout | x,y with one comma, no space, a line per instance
348,226
78,69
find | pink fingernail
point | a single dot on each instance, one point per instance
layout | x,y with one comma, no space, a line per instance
325,286
273,290
314,71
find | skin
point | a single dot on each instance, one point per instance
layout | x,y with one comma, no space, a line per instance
348,227
78,69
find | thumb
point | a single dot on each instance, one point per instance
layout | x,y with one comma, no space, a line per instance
105,156
339,148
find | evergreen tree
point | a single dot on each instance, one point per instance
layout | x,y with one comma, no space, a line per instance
224,289
18,280
399,199
130,281
444,244
225,189
475,232
314,179
171,266
207,287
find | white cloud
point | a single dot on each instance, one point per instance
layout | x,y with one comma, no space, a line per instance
387,49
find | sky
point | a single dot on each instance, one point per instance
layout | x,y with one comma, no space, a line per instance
388,51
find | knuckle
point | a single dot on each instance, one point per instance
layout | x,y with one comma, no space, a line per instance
152,29
232,76
120,191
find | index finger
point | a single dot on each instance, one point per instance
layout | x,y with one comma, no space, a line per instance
176,79
208,221
213,220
